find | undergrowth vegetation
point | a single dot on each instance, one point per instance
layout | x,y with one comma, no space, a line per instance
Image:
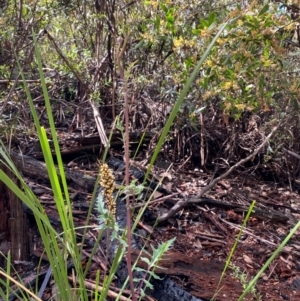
209,78
248,80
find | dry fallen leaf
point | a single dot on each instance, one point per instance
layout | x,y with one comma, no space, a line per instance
198,244
247,259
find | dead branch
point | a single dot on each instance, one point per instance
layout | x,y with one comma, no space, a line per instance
292,153
181,204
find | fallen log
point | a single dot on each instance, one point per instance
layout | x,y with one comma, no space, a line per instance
36,169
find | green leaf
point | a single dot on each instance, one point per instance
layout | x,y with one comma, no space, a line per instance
145,259
263,10
148,284
157,22
211,18
155,276
138,269
163,7
143,293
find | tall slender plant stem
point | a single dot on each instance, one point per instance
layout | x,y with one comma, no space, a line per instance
128,209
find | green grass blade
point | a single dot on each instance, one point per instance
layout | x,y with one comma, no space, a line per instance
236,242
115,264
57,261
62,199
